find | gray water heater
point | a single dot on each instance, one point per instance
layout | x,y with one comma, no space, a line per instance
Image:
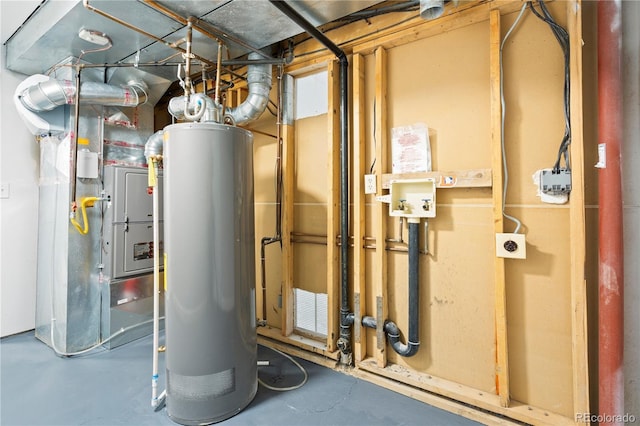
211,355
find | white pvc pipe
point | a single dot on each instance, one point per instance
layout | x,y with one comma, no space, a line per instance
155,400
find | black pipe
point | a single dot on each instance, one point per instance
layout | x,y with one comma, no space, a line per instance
392,330
346,318
263,243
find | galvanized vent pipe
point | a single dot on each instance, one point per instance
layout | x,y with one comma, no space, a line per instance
259,84
153,147
50,94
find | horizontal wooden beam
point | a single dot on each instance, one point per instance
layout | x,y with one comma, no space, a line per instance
299,341
475,178
298,352
450,405
475,397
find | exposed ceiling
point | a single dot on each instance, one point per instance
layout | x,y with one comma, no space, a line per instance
50,34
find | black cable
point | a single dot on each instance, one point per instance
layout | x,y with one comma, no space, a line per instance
374,139
562,37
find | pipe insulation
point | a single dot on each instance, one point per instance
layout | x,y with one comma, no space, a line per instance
259,84
50,94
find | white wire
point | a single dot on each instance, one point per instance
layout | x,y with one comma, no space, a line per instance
289,388
89,349
502,102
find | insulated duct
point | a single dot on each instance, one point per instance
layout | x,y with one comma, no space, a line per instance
259,83
49,94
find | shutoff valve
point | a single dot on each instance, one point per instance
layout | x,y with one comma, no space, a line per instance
411,198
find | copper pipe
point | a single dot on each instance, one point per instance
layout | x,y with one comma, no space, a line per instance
303,234
217,93
611,255
259,132
187,67
74,143
302,241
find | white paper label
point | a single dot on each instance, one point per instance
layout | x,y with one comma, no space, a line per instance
602,156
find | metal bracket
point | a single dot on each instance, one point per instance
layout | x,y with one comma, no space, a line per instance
380,337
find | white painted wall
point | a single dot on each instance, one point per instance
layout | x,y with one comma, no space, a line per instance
19,160
631,197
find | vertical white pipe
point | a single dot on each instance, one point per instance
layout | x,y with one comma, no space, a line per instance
156,281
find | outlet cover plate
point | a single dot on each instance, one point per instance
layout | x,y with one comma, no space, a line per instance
516,243
370,184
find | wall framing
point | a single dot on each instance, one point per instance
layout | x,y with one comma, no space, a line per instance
375,365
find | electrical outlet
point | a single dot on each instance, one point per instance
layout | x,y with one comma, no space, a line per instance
4,190
370,184
513,246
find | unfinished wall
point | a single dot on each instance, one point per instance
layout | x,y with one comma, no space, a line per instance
441,75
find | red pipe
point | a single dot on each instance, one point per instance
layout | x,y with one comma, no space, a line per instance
610,268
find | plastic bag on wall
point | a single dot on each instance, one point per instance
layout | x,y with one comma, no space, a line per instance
54,160
410,149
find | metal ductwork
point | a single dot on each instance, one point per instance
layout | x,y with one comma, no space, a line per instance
49,94
153,147
259,83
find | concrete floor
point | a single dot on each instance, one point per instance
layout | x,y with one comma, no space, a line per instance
114,388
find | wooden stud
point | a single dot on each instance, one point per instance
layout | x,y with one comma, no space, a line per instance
288,176
239,96
333,206
579,330
502,364
359,170
380,209
496,403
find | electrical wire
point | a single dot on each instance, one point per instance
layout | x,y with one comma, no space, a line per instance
288,388
505,169
374,139
563,39
97,345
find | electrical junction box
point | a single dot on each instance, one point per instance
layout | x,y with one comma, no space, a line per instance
412,198
555,182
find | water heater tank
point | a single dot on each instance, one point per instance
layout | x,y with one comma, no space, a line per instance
211,355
